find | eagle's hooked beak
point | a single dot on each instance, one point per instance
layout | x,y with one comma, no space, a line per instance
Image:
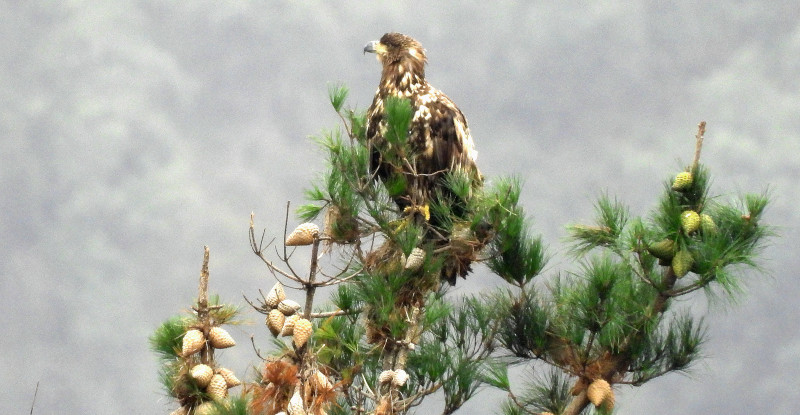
372,47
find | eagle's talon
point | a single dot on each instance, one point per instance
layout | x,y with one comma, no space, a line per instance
424,210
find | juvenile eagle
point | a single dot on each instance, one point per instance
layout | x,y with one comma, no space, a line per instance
438,135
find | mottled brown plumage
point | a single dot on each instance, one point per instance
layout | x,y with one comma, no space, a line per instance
438,137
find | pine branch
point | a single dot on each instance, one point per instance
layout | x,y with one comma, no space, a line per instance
258,249
309,285
577,404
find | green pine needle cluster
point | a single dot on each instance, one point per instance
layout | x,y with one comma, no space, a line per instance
515,254
454,350
398,118
166,340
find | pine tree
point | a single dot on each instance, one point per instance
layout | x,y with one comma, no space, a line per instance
614,321
390,336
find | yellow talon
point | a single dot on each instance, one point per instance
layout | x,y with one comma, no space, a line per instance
398,225
424,210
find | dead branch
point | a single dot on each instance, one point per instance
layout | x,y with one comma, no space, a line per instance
35,392
701,131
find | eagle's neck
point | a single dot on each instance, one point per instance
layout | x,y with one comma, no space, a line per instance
402,78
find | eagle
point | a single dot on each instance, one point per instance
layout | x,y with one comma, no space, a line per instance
438,136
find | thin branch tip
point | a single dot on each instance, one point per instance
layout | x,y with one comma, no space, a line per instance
701,132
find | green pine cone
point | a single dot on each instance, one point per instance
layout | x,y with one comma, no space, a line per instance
682,263
707,225
682,181
690,221
664,249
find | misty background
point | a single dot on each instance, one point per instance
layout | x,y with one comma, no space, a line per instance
133,133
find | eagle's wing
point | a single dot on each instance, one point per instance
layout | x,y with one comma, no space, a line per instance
447,141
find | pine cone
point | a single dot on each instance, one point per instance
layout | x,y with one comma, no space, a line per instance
230,379
275,295
415,259
304,234
217,389
289,307
400,378
296,406
193,342
202,374
608,402
302,332
664,249
690,221
320,381
205,408
275,320
598,391
682,181
386,376
288,325
682,263
180,411
220,339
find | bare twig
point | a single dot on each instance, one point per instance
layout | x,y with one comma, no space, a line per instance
701,131
274,269
35,392
258,249
263,309
326,314
416,398
286,256
369,393
256,349
337,279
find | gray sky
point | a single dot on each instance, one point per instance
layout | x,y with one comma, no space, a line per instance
134,133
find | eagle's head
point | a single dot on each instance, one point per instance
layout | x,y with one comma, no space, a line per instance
399,50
